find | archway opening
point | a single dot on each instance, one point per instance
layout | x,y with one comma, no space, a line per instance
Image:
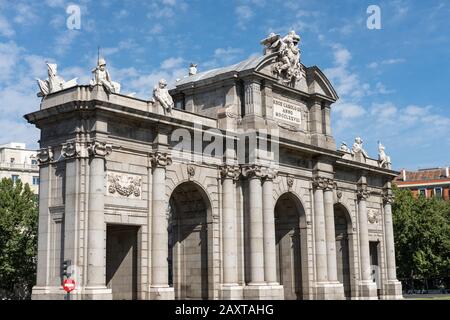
188,242
290,238
343,229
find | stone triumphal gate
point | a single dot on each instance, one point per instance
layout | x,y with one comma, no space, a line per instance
140,205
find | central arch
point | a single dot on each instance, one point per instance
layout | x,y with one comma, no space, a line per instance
290,235
189,242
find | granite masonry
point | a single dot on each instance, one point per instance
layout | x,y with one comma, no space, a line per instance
228,186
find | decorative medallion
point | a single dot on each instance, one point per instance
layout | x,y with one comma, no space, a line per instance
124,185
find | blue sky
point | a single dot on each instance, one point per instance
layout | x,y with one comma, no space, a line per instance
392,82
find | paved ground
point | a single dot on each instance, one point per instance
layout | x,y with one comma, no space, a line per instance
427,296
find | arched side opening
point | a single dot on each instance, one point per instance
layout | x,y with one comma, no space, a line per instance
343,230
188,242
290,239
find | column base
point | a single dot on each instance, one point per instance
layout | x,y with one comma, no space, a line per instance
330,291
231,292
264,292
368,290
58,293
93,293
161,293
47,293
392,290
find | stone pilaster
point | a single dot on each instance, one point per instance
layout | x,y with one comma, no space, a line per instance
159,288
230,288
393,287
96,268
367,287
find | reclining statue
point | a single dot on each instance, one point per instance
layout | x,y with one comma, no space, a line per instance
54,83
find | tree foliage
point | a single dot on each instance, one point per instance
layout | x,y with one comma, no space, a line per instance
18,239
422,236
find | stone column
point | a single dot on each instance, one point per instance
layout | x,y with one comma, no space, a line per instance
159,289
270,258
393,287
256,245
320,232
230,287
368,288
96,268
330,232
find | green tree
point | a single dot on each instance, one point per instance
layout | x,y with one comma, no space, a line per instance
422,237
18,239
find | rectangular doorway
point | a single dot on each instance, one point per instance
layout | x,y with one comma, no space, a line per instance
122,261
374,265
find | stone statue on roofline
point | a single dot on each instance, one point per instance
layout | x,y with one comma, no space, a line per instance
358,149
287,65
383,159
102,77
193,69
345,148
54,83
161,95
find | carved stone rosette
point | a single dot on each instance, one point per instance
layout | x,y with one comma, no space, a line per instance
99,149
230,172
45,155
325,184
362,192
160,159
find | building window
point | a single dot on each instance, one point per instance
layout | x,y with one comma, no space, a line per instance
34,162
12,160
438,192
35,181
14,178
423,192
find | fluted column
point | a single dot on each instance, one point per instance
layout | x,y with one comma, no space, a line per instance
389,236
320,232
160,250
330,231
270,259
96,268
256,244
229,175
393,287
363,195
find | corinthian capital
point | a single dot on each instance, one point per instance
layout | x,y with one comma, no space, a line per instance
252,171
99,149
326,184
45,155
388,198
230,172
160,159
363,193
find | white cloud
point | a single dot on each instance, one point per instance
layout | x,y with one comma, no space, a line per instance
171,63
5,28
9,55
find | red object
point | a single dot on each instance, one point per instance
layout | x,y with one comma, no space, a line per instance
69,285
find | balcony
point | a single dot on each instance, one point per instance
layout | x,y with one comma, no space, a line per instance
9,166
